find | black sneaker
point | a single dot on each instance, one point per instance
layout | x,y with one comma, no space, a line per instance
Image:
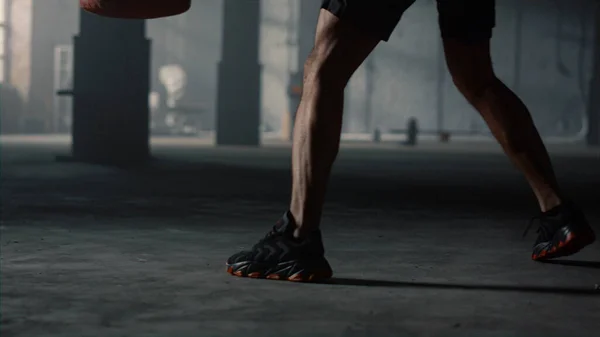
280,256
563,231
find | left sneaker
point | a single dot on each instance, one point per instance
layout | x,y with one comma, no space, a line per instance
562,231
280,256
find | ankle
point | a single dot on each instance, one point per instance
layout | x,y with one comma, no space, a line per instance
550,201
302,229
548,206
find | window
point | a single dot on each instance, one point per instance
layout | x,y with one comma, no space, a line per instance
3,11
2,40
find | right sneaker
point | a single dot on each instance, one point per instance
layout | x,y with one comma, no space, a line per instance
562,231
280,256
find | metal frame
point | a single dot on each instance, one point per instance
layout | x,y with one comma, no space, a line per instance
63,86
593,136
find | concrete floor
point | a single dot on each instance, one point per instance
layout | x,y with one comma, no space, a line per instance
424,242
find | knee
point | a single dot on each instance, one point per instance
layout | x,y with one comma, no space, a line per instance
325,71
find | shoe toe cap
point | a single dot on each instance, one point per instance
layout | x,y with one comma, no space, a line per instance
239,257
540,247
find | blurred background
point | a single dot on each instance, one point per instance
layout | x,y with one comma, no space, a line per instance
544,50
139,250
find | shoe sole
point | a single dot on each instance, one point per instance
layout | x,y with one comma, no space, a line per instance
289,271
565,243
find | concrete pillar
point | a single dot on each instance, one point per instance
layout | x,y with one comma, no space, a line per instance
307,25
110,89
19,46
239,75
593,136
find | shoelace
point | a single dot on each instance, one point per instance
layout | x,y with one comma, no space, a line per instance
273,232
542,227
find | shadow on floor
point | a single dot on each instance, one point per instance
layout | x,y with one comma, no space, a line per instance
577,291
575,263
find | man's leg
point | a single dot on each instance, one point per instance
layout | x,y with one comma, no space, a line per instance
347,32
339,50
466,27
505,114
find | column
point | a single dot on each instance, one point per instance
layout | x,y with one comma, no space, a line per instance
239,75
593,136
110,91
19,46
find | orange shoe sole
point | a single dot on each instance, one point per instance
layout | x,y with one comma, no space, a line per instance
572,243
240,270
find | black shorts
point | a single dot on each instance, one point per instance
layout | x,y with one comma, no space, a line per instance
468,20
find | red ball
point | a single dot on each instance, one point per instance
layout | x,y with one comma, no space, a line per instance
136,9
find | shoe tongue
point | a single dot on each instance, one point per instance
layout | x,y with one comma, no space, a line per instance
559,216
555,212
561,213
285,223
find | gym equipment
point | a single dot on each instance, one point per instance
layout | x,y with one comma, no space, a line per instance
136,9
